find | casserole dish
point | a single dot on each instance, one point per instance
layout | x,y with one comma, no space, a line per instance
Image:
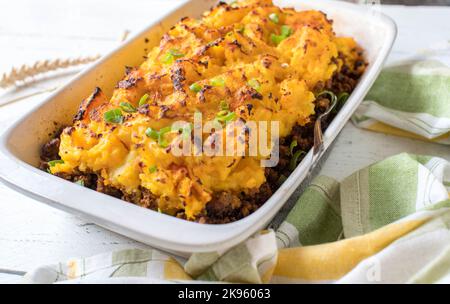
20,145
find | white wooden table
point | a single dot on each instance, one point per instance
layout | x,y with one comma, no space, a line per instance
32,233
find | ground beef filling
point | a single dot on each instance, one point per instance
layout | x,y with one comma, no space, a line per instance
226,207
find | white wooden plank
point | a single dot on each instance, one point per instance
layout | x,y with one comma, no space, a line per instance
33,233
355,149
9,279
35,30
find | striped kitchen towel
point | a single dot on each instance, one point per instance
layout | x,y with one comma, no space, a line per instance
411,98
250,262
387,223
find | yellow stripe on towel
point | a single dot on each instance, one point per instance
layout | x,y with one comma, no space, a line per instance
174,271
384,128
332,261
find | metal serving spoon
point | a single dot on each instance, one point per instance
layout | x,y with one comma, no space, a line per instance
319,147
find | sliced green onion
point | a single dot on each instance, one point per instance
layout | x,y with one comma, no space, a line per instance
195,87
234,3
143,100
342,98
281,179
172,55
176,53
274,18
286,31
80,182
159,135
168,58
165,130
254,83
276,38
161,141
113,116
295,158
52,163
217,82
227,117
292,146
223,113
127,107
152,133
224,105
153,169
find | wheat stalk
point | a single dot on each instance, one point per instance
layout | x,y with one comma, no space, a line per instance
24,72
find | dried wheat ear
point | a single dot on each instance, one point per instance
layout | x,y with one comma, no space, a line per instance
25,72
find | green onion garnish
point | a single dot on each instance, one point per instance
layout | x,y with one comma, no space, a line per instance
217,82
172,55
292,146
176,53
127,107
223,113
234,3
168,58
281,179
226,117
159,135
161,141
276,38
195,87
286,31
152,169
274,18
254,83
54,162
224,105
113,116
80,182
295,158
143,100
165,130
152,133
342,98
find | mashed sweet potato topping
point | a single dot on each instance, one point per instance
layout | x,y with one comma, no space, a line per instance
248,61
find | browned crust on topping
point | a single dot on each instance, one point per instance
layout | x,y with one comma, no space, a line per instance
244,95
128,83
95,100
178,76
144,109
201,94
206,47
132,77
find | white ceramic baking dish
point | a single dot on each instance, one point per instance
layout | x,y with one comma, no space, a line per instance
20,144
